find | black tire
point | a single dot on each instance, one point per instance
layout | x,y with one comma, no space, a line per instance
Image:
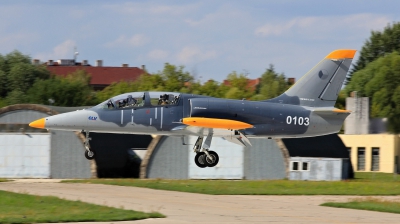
199,160
90,155
214,161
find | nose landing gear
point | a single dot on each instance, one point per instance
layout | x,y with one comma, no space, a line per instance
204,157
89,154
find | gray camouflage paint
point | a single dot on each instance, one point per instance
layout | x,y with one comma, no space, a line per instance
308,105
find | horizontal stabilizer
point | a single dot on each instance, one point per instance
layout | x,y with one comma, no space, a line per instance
333,111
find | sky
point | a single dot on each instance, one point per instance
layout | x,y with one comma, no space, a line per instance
209,38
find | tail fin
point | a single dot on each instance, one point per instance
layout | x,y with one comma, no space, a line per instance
320,87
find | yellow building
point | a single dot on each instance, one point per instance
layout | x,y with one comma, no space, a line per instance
373,152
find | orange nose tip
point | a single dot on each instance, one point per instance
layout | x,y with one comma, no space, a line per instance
38,123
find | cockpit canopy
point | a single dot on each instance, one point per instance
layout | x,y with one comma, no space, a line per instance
140,99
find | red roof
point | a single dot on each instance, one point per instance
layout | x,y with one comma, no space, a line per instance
101,75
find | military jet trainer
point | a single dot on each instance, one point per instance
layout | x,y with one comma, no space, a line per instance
305,110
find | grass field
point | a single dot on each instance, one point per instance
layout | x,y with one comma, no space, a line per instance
371,204
363,184
22,208
3,180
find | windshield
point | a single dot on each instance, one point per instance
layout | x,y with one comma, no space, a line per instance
127,100
138,99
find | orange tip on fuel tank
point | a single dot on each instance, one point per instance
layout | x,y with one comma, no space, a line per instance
215,123
38,123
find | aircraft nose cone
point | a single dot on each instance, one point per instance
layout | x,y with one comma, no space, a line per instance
38,123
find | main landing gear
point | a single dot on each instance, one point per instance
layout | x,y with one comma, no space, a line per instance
89,154
204,157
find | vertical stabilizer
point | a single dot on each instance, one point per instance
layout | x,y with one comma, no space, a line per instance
320,87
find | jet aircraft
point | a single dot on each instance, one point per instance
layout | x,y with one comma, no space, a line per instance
304,110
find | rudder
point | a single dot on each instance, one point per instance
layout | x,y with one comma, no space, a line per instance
320,87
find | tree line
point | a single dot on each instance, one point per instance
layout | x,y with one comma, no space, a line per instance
376,75
23,82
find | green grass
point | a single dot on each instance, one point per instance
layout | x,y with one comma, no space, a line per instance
22,208
371,204
363,184
376,177
3,180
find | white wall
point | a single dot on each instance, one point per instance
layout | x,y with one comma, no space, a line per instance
25,155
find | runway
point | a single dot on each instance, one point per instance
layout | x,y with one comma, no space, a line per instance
199,208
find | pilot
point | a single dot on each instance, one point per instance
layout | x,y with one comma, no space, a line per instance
130,101
121,103
110,105
164,99
160,100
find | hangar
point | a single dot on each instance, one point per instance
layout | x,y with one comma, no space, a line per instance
166,157
34,153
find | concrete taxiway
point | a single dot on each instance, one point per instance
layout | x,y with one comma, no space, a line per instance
199,208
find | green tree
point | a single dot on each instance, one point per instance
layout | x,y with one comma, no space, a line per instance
379,44
116,89
22,76
17,73
380,80
171,78
16,97
192,87
238,87
72,90
272,84
3,102
4,86
153,82
13,58
174,78
213,88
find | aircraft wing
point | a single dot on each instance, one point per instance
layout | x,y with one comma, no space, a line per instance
218,124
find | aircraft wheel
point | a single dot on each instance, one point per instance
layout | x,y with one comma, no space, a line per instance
89,155
199,160
211,162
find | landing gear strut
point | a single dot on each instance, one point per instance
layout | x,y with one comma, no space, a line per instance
204,157
89,154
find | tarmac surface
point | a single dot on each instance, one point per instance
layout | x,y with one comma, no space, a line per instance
199,208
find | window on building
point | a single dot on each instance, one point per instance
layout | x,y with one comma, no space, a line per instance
294,166
375,159
361,158
305,166
349,151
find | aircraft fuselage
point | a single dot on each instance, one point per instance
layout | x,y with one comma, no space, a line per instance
268,119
